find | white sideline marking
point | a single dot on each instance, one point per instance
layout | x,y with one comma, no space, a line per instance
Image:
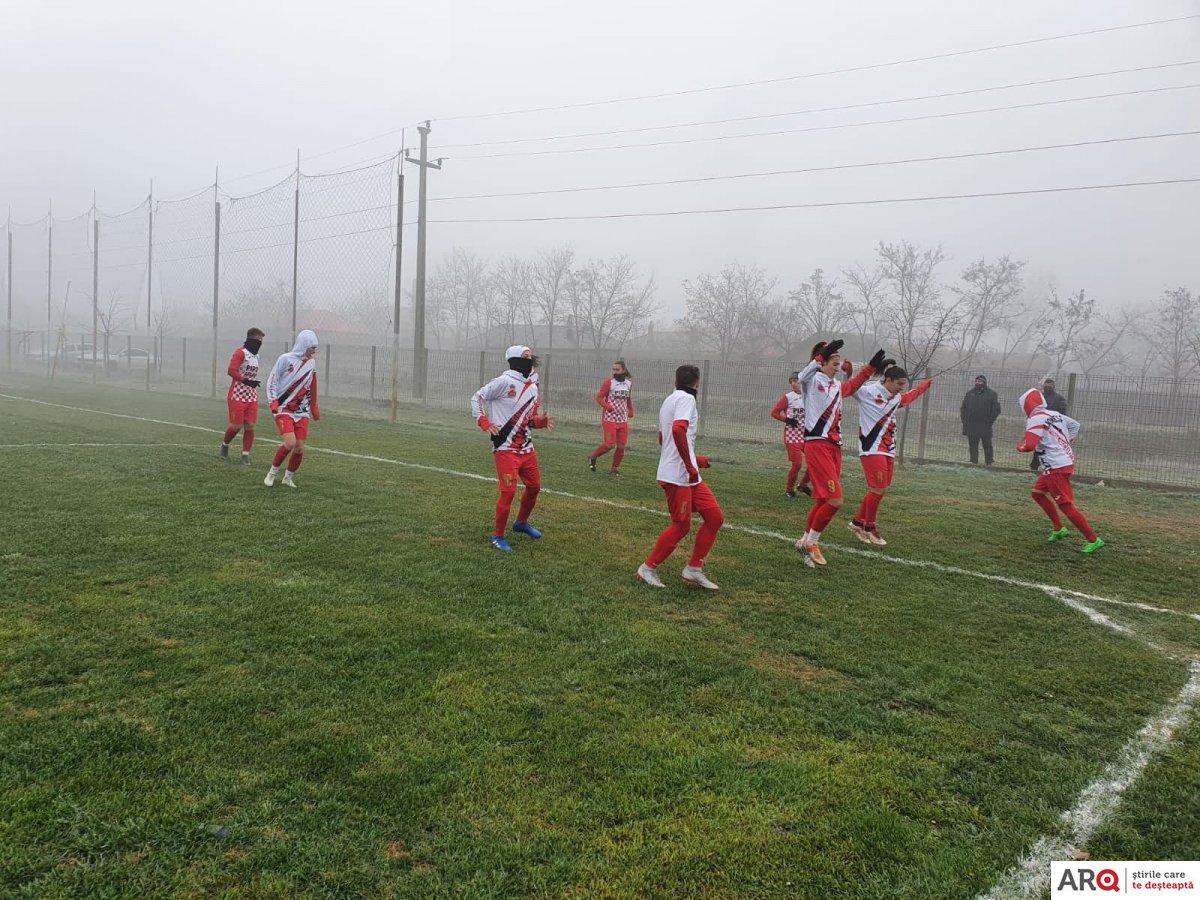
1071,598
1099,799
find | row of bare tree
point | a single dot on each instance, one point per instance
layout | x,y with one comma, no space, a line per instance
900,301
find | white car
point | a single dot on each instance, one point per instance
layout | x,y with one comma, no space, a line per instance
132,358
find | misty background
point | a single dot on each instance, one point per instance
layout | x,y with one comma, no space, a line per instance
114,97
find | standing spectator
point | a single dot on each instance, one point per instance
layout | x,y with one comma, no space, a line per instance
1055,402
980,409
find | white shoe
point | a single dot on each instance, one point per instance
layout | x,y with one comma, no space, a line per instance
287,479
805,553
697,578
650,576
876,538
859,532
269,481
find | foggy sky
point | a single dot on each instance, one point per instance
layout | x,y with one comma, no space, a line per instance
105,96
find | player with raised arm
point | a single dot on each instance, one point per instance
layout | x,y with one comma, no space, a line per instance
878,403
679,477
616,399
823,395
789,409
507,408
1050,434
292,392
242,398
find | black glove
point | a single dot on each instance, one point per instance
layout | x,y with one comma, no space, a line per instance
792,422
829,349
878,360
249,382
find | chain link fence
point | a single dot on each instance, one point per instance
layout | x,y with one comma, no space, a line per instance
1137,429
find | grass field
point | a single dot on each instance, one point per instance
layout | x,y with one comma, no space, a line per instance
210,688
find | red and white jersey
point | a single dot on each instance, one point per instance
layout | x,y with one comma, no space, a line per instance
243,365
823,401
877,408
1049,433
680,406
616,398
510,401
293,381
790,406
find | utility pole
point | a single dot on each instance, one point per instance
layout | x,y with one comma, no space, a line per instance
295,242
95,285
216,276
8,292
149,278
419,359
49,279
398,288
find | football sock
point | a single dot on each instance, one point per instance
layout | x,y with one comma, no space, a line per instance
247,440
1079,520
230,433
280,456
792,473
294,462
706,536
1051,509
667,542
618,455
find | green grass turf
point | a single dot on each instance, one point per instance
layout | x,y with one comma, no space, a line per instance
212,688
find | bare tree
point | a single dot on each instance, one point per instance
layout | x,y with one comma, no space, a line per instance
986,301
607,300
268,305
461,290
918,322
867,307
722,308
1021,331
108,315
549,277
1076,333
1174,333
510,310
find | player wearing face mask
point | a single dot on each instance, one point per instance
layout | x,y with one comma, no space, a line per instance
242,398
507,408
616,399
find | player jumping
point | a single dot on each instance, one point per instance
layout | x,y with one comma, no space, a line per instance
292,391
1050,434
616,399
242,398
878,403
679,477
789,410
512,409
823,396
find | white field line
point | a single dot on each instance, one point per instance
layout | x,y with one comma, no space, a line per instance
1076,600
1099,799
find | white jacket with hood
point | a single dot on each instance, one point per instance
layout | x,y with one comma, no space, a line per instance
293,381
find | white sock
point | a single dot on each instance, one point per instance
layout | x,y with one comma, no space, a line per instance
812,537
274,470
287,476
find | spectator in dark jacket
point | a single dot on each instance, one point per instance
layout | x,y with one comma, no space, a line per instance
980,409
1055,402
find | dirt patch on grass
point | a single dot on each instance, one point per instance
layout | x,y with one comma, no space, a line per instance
790,666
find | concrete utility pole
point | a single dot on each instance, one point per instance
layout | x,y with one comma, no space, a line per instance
295,243
419,359
398,291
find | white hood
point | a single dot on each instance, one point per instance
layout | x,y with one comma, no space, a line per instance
305,341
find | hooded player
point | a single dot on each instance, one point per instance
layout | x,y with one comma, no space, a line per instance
1050,434
292,391
878,403
507,407
242,398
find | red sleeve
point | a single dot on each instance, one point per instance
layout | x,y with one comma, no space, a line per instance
1030,442
679,435
312,400
235,362
851,386
631,401
780,409
601,396
484,422
909,396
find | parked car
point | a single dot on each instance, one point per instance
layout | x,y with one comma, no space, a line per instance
132,358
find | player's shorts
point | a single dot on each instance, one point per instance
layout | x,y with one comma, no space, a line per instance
243,411
616,432
512,466
879,469
825,468
795,453
288,425
685,499
1057,483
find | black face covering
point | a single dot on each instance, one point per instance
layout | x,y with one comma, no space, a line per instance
621,377
521,364
253,345
688,390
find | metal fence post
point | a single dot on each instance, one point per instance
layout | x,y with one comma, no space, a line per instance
216,286
328,354
129,354
1071,391
183,369
483,367
924,424
372,393
703,396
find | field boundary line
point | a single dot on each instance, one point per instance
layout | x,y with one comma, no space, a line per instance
1076,600
89,445
1100,798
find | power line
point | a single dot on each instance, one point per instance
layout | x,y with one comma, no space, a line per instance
822,109
824,73
823,205
810,169
813,128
